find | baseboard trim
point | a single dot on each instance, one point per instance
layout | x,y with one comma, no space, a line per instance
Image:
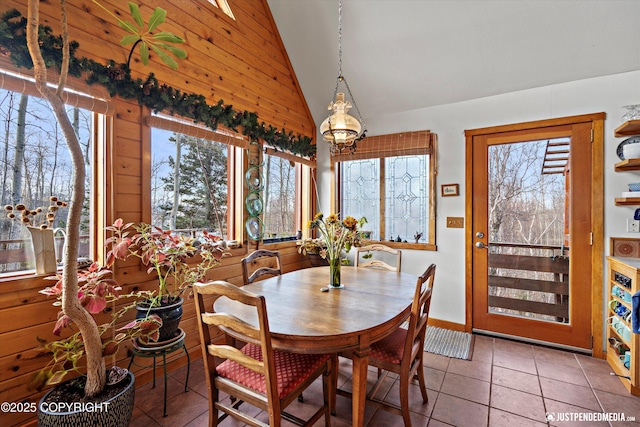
445,324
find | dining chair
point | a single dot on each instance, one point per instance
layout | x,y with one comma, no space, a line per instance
260,263
256,374
402,352
377,263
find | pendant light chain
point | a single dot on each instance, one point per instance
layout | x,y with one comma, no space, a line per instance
340,129
339,39
341,78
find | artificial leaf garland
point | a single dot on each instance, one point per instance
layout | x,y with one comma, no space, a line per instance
116,78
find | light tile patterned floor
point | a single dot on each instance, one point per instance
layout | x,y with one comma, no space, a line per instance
505,384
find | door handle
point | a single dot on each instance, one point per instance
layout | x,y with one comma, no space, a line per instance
481,245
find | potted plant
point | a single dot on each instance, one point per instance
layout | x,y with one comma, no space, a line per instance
97,290
311,248
177,260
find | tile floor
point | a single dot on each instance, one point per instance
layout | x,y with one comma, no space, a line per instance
505,384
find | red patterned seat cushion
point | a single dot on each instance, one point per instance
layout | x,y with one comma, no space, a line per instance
291,369
391,348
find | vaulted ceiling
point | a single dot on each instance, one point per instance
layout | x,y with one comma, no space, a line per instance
400,55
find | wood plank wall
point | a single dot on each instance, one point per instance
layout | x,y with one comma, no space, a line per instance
242,62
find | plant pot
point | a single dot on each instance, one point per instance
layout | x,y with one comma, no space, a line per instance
317,260
43,250
171,314
112,411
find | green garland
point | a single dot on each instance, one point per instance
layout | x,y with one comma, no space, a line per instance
116,78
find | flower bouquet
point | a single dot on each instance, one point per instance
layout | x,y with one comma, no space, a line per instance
336,235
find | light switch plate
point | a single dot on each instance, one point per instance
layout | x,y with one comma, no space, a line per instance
455,222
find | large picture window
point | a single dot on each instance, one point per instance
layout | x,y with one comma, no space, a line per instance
390,180
189,178
198,182
35,165
404,181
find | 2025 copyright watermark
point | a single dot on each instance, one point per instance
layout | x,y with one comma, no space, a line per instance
12,407
9,407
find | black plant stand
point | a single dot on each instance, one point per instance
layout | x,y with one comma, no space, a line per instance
163,350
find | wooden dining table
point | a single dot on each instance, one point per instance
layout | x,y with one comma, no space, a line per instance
304,319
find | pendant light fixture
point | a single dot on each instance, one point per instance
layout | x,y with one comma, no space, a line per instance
341,130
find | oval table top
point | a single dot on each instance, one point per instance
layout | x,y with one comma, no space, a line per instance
304,319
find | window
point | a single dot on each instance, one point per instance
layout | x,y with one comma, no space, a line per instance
224,6
360,192
280,198
198,181
35,165
189,178
390,181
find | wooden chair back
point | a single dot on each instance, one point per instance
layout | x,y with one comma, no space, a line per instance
261,362
377,263
259,263
402,352
417,329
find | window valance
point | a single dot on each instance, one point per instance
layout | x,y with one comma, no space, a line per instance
187,127
396,144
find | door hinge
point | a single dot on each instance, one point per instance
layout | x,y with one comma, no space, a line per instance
592,135
591,239
591,346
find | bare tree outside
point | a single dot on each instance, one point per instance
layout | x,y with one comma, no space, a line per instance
279,197
35,165
526,223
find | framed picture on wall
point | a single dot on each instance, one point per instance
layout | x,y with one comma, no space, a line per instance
450,190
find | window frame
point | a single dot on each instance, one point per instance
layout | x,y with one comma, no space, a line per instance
102,111
304,187
297,202
381,154
238,164
223,6
234,152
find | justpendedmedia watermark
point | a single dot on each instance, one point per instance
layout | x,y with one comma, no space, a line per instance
60,407
588,416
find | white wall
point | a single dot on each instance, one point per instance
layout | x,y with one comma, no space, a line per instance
604,94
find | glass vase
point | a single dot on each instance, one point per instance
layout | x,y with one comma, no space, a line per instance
334,273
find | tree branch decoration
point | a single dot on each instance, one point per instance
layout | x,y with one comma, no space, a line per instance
71,305
116,78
